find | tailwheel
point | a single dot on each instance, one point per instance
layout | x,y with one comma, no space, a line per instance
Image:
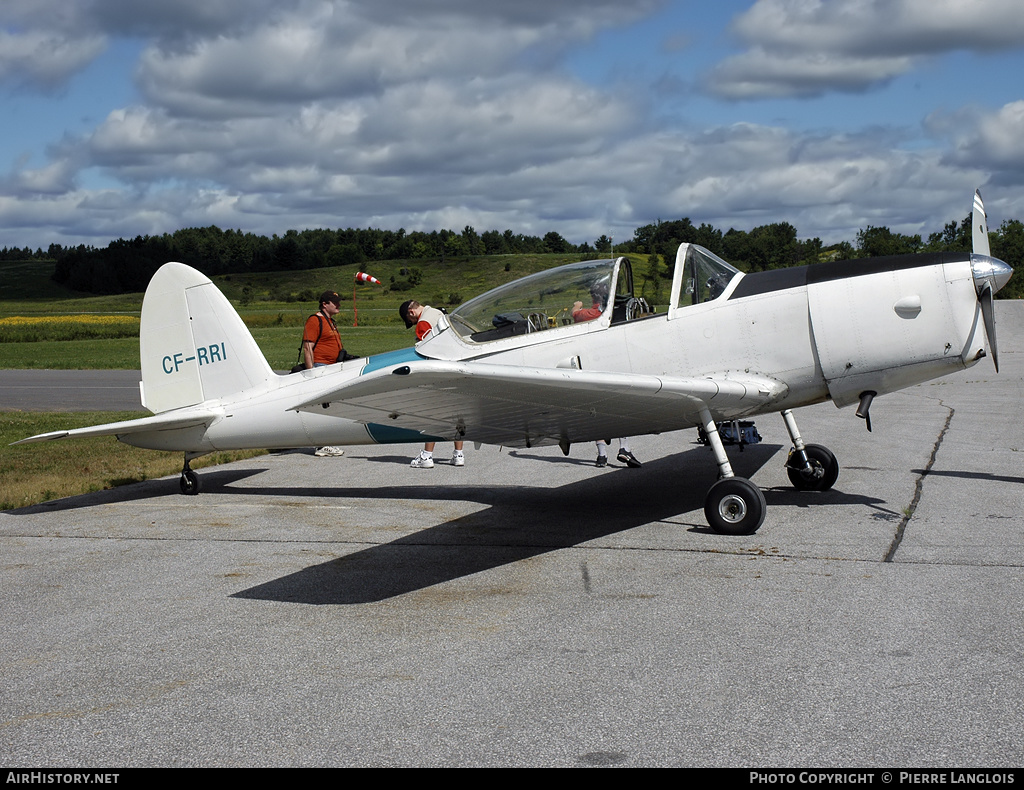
823,471
735,506
190,483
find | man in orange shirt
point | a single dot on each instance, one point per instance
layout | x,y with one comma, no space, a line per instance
321,340
321,345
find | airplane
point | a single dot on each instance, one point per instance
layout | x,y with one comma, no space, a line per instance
512,367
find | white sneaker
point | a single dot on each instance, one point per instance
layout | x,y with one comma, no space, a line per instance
458,459
328,451
422,461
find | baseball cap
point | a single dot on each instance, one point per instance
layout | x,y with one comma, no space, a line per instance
403,311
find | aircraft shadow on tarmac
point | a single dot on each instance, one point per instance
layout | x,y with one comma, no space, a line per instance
137,492
521,522
981,476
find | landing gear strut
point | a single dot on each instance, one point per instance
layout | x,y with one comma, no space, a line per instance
810,467
733,505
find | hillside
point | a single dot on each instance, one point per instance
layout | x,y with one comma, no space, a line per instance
274,305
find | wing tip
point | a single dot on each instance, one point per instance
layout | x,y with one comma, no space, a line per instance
42,437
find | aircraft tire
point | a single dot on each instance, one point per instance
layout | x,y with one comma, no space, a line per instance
823,460
735,506
190,484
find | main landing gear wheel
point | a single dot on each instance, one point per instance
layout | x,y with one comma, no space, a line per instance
735,506
825,470
189,483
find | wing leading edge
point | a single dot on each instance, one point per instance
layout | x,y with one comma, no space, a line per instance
524,407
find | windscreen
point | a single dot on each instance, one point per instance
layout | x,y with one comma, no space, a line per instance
535,303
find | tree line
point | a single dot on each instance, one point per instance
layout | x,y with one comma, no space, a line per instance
126,265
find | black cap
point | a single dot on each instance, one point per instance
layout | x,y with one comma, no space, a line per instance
330,296
403,311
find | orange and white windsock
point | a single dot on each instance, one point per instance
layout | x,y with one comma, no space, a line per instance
363,277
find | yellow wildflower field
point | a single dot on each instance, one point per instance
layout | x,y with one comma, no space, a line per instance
49,328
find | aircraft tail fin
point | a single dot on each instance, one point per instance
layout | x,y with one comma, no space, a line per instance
194,345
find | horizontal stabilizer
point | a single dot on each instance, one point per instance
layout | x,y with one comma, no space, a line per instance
159,422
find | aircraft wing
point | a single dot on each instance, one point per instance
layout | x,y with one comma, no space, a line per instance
158,422
524,407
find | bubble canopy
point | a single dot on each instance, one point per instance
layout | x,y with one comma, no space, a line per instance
539,301
601,289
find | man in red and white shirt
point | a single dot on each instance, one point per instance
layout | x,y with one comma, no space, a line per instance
424,318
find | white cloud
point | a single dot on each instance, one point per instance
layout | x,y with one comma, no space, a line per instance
45,42
56,178
760,74
882,27
983,138
811,47
337,51
826,186
45,59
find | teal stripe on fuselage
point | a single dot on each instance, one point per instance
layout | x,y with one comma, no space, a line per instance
378,361
388,434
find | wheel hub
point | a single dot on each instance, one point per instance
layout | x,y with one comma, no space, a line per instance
815,473
732,508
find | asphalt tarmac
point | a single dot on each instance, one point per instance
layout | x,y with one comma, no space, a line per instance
530,609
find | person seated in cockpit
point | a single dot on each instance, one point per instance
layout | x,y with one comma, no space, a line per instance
599,296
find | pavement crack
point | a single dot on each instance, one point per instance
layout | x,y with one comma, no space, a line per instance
908,513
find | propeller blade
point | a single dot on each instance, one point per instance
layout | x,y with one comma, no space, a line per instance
979,226
985,298
990,274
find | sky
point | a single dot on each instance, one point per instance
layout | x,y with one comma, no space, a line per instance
584,117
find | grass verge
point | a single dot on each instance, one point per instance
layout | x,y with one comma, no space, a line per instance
34,473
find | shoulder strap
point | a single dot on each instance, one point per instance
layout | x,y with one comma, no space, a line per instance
320,319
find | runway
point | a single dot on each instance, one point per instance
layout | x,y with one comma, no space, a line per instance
532,610
70,390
